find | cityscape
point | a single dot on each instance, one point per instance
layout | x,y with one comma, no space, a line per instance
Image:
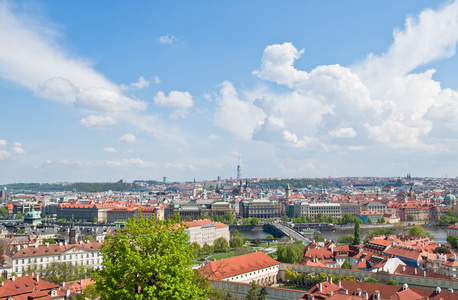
228,150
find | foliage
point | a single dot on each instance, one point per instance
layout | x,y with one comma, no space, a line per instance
48,240
293,276
297,183
371,233
58,272
207,249
90,292
291,254
254,294
369,221
392,282
372,280
19,215
89,187
148,259
236,242
357,240
382,220
221,244
346,239
417,230
247,239
346,265
317,236
3,211
254,221
269,237
453,240
285,218
449,218
228,217
236,233
410,218
313,278
442,250
94,220
217,294
348,219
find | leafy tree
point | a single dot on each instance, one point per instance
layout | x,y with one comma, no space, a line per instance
148,259
392,282
318,237
372,280
195,247
48,240
292,276
88,238
346,265
410,218
95,220
228,217
19,215
207,249
285,218
382,220
369,221
346,239
3,211
357,240
247,239
269,237
254,221
442,250
58,272
291,254
90,292
417,230
348,219
221,244
236,242
453,240
254,294
236,233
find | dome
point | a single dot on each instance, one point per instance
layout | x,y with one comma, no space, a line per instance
32,215
450,197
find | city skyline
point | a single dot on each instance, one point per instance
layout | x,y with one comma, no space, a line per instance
97,92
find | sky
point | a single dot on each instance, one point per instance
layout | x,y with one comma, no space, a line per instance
98,91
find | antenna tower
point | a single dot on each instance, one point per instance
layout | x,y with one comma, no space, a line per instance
239,169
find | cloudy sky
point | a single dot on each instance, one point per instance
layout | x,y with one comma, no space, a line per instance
103,90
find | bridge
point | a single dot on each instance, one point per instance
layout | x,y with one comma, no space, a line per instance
289,232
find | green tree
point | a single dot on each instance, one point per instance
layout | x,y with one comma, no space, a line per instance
207,249
236,233
369,221
255,294
346,265
95,220
247,239
346,239
372,280
382,220
392,282
254,221
417,230
221,244
3,211
148,259
269,238
357,240
291,254
348,219
48,240
442,250
90,292
410,218
453,240
236,242
228,217
285,218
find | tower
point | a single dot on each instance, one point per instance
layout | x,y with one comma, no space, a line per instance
239,169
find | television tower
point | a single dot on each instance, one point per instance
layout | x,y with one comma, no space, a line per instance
239,169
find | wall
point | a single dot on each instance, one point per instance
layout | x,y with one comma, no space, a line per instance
241,289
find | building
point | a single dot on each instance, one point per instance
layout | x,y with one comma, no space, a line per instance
352,209
124,213
306,209
257,267
83,211
260,208
39,256
30,288
374,206
369,214
206,231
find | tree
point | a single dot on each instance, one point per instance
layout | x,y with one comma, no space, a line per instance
357,240
236,242
3,211
207,249
285,218
442,250
148,259
291,254
410,218
382,220
269,237
346,265
236,233
94,220
254,294
254,221
369,221
392,282
372,280
221,244
346,239
48,240
348,219
247,239
90,291
228,217
417,230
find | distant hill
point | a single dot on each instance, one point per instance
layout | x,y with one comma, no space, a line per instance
89,187
293,182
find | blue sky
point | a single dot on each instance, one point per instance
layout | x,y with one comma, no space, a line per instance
109,90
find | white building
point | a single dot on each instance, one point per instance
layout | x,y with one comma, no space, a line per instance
39,256
206,231
306,209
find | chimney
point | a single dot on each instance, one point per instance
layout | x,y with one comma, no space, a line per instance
403,268
320,287
331,293
67,293
364,295
405,286
415,271
13,278
81,282
38,277
424,273
63,284
438,290
339,284
330,279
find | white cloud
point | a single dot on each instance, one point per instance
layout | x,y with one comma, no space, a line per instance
109,150
347,132
130,163
180,101
103,100
127,138
17,148
156,80
356,148
238,117
140,84
97,121
4,155
3,143
213,137
167,39
175,99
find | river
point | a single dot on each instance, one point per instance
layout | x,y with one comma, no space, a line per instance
440,235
